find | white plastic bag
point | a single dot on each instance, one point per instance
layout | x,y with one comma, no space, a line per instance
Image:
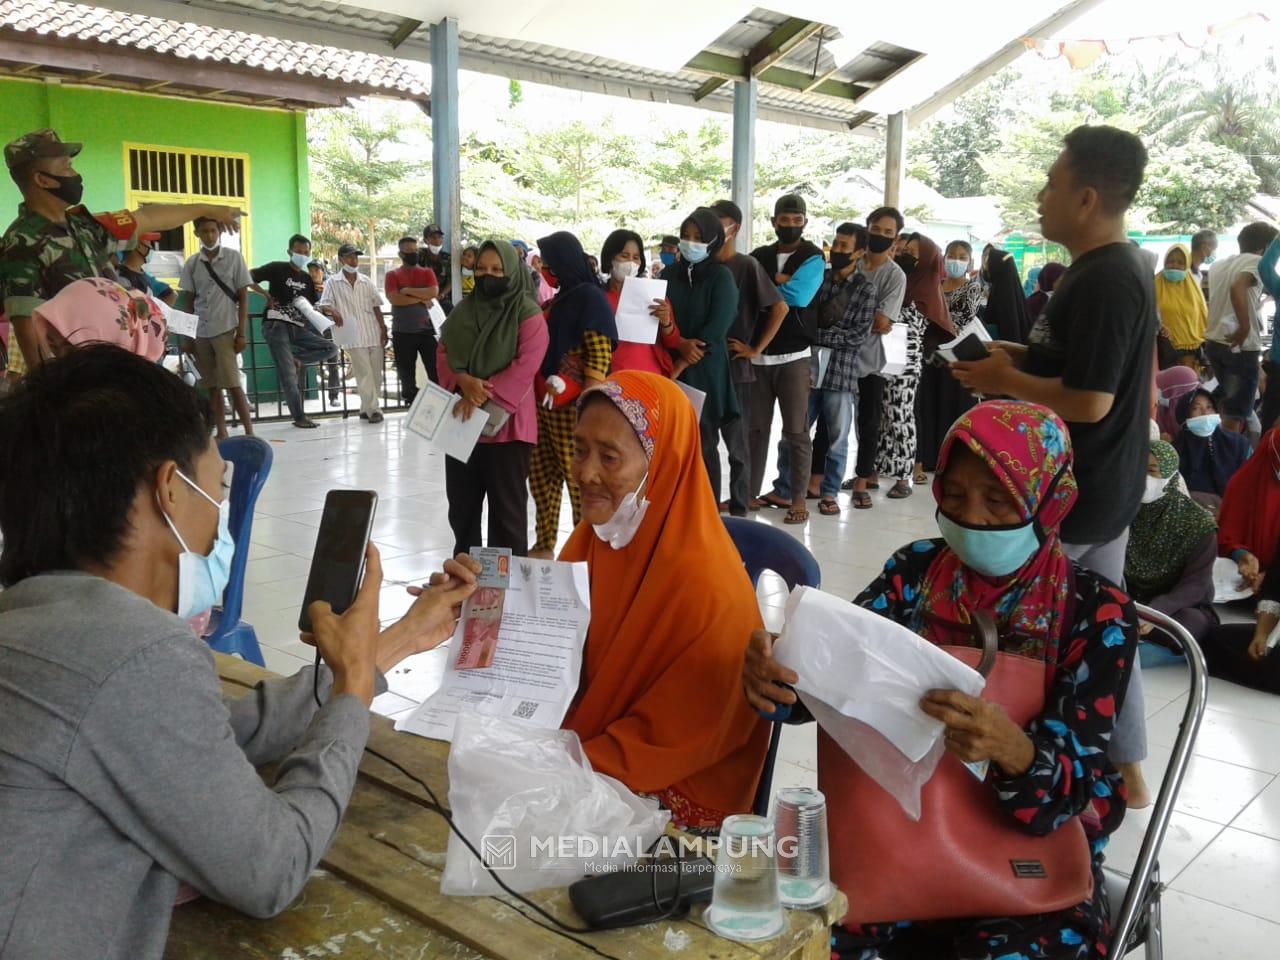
862,677
318,320
529,801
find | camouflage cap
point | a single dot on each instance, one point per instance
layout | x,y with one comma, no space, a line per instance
37,143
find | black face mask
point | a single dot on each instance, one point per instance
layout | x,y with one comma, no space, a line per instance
840,260
490,287
409,259
789,235
878,244
907,262
70,189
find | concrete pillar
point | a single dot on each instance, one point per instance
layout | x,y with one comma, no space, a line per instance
744,155
895,159
446,174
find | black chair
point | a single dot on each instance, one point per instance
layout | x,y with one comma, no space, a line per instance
1135,902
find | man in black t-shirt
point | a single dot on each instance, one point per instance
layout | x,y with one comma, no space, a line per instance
285,329
1090,359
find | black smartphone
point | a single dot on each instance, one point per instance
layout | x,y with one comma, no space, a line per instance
971,348
337,565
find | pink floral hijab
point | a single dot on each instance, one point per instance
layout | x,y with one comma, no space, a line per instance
96,309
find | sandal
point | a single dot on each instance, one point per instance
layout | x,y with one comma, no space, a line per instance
921,478
773,500
829,508
795,517
901,490
861,500
847,485
873,484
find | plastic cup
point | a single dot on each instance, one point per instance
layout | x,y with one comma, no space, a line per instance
745,904
803,871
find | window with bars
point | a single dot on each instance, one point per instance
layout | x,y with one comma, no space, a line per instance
189,172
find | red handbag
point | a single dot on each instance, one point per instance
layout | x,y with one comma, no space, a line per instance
965,856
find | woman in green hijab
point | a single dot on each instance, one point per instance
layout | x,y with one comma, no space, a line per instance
1172,545
489,353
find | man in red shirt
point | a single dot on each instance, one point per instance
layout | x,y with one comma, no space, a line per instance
410,291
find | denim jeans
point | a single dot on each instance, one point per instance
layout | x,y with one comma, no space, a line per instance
836,408
1238,375
289,342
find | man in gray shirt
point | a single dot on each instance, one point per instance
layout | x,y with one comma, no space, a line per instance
219,282
122,769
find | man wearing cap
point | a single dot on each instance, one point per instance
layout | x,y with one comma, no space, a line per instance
351,299
782,370
132,273
668,249
219,281
55,240
436,258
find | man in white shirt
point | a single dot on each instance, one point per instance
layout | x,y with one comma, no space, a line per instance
351,299
1233,339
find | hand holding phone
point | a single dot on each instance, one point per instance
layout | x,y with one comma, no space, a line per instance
348,642
339,557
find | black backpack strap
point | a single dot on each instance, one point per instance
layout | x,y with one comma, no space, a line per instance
219,281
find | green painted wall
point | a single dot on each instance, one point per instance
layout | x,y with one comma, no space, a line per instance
104,120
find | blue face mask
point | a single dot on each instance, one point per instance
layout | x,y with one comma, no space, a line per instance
1204,426
1175,276
667,258
693,251
202,579
300,260
992,551
957,268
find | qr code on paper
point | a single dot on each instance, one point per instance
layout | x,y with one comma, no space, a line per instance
525,709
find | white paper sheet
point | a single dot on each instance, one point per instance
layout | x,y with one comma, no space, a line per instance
973,328
431,417
869,668
347,333
1227,585
538,661
696,397
178,321
437,315
895,351
818,366
635,323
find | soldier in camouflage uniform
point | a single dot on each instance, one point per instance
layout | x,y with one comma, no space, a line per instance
55,240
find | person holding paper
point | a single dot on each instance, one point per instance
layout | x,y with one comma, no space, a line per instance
352,300
704,296
1249,520
621,258
923,309
1004,485
671,609
1245,653
489,354
582,337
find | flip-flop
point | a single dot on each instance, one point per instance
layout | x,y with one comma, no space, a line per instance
861,500
829,508
773,500
847,485
795,517
921,478
901,490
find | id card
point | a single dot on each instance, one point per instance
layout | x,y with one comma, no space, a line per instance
495,566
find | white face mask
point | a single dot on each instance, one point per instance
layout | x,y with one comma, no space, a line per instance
435,248
348,268
620,529
622,269
1156,488
208,249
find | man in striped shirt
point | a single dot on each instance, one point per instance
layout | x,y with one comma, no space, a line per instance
351,299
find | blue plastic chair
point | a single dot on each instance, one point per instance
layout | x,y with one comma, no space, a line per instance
252,459
763,547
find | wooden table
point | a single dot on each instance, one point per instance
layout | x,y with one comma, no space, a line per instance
378,892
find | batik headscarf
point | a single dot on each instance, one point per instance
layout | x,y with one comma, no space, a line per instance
1164,535
1028,449
98,309
661,706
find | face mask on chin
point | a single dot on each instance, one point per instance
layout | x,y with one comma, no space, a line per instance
202,579
620,529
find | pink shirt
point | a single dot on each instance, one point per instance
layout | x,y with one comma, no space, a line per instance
513,386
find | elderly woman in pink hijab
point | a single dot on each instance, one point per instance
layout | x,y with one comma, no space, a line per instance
1171,385
98,309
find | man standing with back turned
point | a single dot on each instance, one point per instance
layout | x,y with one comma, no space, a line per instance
1089,360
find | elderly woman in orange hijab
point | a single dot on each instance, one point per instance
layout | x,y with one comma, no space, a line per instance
671,608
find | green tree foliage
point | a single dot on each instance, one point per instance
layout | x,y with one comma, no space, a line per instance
566,168
1199,184
360,194
1015,171
948,154
692,165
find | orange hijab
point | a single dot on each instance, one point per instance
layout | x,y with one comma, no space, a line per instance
661,706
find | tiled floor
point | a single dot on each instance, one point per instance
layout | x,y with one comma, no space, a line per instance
1221,858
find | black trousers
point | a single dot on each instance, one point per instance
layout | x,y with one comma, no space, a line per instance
408,347
500,472
870,411
1271,396
1226,651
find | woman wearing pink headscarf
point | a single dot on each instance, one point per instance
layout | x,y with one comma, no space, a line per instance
99,310
1172,385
